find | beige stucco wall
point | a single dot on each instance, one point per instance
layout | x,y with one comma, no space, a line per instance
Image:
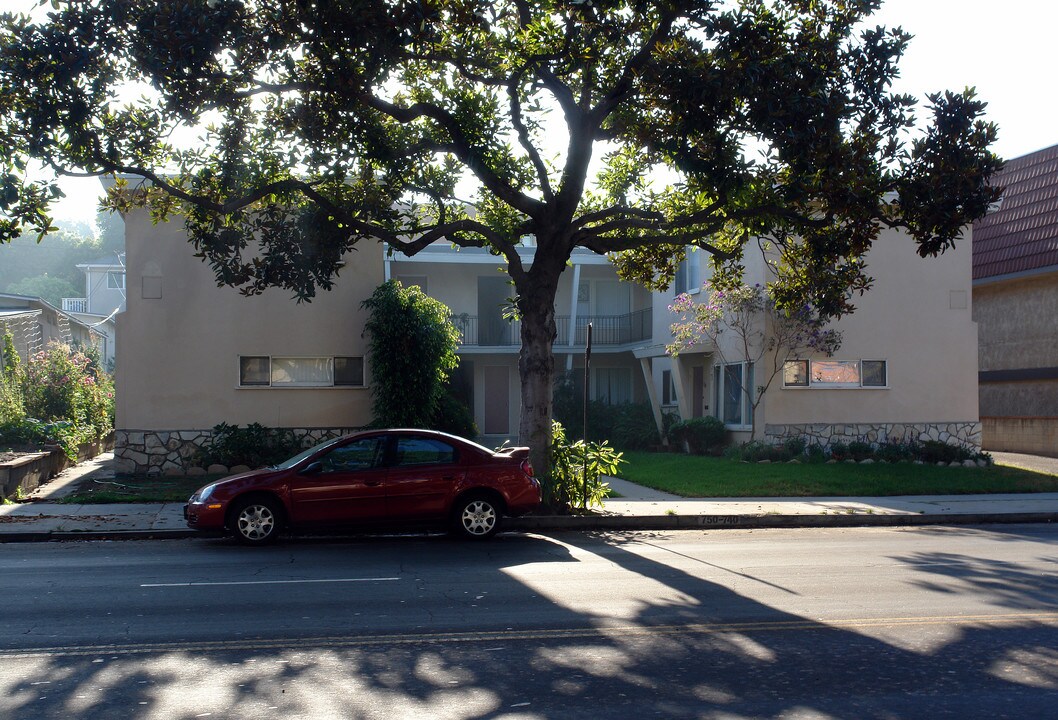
916,317
178,367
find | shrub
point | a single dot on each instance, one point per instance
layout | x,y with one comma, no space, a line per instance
634,427
12,409
453,416
627,426
816,454
569,461
860,450
894,451
32,434
795,446
412,352
60,397
934,451
757,451
839,450
702,435
254,445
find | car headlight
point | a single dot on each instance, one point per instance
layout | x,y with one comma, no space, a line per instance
203,494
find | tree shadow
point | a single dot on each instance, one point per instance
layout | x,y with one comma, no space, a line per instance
691,647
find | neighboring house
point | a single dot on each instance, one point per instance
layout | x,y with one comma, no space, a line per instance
33,323
104,299
195,355
1015,299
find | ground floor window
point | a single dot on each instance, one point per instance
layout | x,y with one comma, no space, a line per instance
613,386
733,387
668,388
271,371
835,373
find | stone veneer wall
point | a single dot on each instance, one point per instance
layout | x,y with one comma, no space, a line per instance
154,452
964,434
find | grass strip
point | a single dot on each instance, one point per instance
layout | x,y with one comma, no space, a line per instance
697,476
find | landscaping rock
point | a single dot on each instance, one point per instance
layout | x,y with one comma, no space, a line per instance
764,462
196,472
982,463
969,463
217,469
868,461
240,469
173,472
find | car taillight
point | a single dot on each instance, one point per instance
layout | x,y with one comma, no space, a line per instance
527,468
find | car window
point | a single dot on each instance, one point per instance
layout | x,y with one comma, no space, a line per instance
423,451
358,455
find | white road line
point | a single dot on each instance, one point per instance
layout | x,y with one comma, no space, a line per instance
267,582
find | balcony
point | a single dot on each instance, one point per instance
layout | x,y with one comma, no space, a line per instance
606,330
76,305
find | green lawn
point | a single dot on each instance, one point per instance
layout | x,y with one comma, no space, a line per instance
695,476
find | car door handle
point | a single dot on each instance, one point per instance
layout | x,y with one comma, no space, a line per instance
372,483
449,477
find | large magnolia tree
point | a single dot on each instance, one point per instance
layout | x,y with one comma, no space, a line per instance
629,128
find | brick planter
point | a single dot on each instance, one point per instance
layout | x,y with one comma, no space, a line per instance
25,473
28,472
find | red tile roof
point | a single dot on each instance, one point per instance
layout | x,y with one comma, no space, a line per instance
1023,233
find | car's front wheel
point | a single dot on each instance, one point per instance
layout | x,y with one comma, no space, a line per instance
256,520
476,517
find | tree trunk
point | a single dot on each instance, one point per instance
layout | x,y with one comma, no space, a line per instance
536,367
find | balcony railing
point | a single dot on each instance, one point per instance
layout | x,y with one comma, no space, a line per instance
77,305
606,330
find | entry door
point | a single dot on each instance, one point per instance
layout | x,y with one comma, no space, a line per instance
698,394
350,486
497,400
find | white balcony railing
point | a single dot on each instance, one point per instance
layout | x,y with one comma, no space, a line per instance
77,305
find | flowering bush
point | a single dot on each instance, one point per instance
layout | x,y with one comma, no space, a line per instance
745,324
68,394
11,407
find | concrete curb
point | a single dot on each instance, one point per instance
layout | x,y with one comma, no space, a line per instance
617,523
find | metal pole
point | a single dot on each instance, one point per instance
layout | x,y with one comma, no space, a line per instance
587,385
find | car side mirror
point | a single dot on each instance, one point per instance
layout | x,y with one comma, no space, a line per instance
313,468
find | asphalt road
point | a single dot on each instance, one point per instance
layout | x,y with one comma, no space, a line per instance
857,623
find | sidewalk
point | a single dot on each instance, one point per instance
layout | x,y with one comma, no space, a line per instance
638,508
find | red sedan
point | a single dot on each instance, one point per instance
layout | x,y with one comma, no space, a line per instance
375,477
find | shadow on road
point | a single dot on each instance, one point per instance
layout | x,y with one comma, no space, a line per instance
695,648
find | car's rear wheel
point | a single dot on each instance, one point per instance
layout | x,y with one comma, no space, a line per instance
476,517
257,520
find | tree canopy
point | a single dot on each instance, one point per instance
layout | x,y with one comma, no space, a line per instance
625,127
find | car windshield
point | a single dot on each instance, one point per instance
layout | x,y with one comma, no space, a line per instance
304,454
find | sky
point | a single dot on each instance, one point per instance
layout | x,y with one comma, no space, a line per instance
1006,50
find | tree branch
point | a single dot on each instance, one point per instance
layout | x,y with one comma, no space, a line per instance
524,139
464,149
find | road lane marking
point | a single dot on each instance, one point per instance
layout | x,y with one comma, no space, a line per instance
267,582
601,632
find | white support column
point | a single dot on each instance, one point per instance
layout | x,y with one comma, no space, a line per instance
683,399
386,262
573,299
652,395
